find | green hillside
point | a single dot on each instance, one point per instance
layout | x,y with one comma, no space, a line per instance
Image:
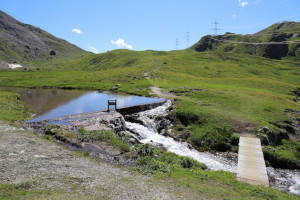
219,94
21,42
222,86
288,33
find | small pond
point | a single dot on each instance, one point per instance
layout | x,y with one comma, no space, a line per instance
52,103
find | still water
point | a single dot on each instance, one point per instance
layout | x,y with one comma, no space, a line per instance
52,103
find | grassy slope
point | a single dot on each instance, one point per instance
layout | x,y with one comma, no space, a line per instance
11,109
221,92
247,87
285,31
233,91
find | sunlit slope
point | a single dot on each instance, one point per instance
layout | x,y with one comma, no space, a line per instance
22,43
251,77
279,41
218,93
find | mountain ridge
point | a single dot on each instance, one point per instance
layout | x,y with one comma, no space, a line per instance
276,42
19,41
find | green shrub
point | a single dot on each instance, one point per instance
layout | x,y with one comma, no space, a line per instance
51,129
152,160
149,165
103,135
147,150
211,138
234,139
186,117
183,161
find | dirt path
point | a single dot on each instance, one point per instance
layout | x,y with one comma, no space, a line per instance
165,95
25,158
157,90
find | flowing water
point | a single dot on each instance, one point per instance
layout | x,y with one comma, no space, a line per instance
285,180
52,103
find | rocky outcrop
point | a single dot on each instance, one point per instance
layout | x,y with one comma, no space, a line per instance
256,44
271,137
277,51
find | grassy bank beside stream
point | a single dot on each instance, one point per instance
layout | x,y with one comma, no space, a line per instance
219,94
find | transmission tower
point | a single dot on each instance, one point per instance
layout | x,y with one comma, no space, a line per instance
187,39
216,28
177,43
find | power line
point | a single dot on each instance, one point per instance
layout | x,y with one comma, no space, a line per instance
216,28
177,43
259,43
262,24
262,34
187,39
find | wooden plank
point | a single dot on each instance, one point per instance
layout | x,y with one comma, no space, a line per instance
251,163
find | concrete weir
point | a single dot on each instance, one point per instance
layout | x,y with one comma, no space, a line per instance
251,163
103,114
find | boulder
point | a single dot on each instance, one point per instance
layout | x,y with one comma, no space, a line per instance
52,53
274,138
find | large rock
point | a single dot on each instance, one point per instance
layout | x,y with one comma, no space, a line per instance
52,53
272,137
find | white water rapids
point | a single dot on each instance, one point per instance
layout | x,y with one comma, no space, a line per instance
285,180
212,161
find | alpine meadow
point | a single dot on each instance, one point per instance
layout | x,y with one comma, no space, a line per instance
219,89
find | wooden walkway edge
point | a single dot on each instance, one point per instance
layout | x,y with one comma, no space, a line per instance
251,163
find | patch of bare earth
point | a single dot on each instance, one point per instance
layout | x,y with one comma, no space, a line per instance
246,128
165,95
26,158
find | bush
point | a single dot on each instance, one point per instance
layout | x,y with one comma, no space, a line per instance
152,160
51,129
211,138
234,139
103,135
147,150
148,165
183,161
187,118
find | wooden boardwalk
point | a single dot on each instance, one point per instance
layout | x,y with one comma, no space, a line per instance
251,163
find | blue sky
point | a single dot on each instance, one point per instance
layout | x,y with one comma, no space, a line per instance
99,26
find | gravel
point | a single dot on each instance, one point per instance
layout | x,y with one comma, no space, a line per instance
27,158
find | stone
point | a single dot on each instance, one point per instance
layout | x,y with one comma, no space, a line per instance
272,137
264,129
52,53
265,140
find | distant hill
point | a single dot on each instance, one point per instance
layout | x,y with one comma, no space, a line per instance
20,41
284,34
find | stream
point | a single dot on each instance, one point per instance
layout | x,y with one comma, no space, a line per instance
52,103
281,179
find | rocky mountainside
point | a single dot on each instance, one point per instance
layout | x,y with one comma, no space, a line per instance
286,35
20,41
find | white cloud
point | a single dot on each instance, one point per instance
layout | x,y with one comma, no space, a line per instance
93,49
120,43
76,30
243,3
234,16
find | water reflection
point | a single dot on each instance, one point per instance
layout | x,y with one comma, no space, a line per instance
52,103
42,101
